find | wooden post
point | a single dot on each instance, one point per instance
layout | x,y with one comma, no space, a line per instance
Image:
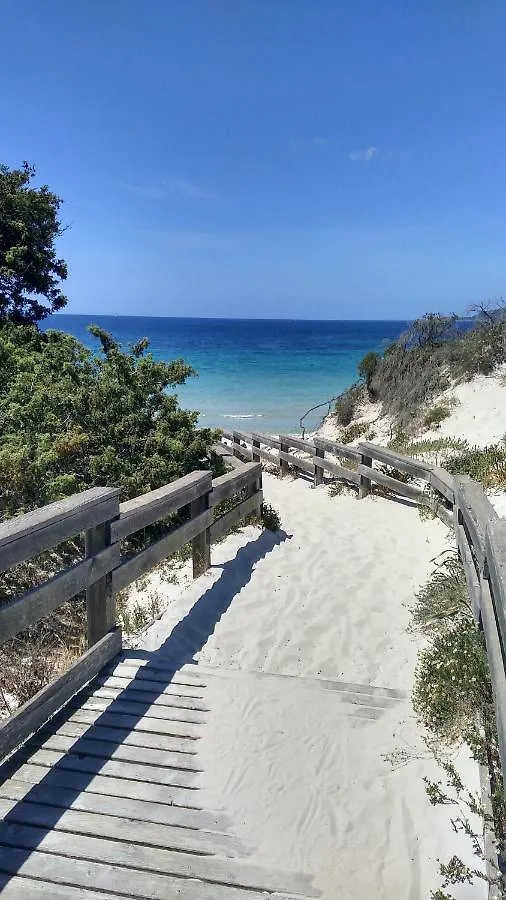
318,471
236,440
255,443
201,544
364,487
100,600
283,464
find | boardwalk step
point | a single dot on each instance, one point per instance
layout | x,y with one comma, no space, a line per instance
108,750
126,738
153,710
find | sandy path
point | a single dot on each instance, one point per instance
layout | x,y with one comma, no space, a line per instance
298,765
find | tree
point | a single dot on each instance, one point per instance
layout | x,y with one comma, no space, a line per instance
30,270
367,368
71,419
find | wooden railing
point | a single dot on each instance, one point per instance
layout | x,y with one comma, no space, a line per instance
459,501
105,570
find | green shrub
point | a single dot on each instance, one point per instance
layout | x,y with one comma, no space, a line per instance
354,431
346,404
486,465
435,416
443,600
367,369
270,518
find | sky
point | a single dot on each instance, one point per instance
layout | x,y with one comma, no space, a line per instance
265,158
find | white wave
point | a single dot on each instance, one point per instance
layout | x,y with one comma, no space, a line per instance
243,416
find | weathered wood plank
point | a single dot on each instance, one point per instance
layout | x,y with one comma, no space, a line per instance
23,537
157,670
268,457
243,452
112,719
442,481
100,600
473,583
241,435
337,449
130,681
225,452
227,485
148,697
109,824
298,443
339,471
201,543
153,711
142,810
153,860
109,750
476,511
17,888
495,548
364,483
144,561
125,737
246,508
266,439
41,601
155,505
397,460
406,490
318,469
128,882
307,465
107,786
74,762
42,706
496,666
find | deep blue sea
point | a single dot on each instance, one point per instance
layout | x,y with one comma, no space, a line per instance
254,374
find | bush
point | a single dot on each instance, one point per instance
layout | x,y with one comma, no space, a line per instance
354,431
270,518
367,369
346,404
435,416
486,465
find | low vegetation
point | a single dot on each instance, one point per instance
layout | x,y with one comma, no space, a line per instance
346,405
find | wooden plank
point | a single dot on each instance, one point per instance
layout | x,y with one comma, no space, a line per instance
442,481
100,600
227,485
268,457
406,490
201,543
298,443
159,662
148,697
42,706
112,719
339,471
161,687
107,786
495,548
211,869
109,750
318,470
473,583
476,511
74,762
17,888
266,439
141,810
364,483
496,666
23,537
298,462
337,449
144,561
125,737
243,452
41,601
153,711
108,824
127,882
397,460
155,505
241,435
226,453
246,508
158,670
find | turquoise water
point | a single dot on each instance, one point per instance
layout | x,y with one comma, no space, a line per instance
253,374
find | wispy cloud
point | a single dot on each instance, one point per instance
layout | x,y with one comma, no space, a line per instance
364,156
167,187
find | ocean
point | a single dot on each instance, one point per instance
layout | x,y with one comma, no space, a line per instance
253,374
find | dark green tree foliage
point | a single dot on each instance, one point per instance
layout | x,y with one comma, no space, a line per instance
367,368
30,270
71,419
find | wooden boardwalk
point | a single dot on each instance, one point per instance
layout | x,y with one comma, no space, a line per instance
104,801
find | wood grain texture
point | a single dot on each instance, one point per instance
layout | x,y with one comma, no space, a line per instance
156,505
267,440
328,465
495,548
443,482
23,537
337,449
33,714
495,660
397,460
405,490
298,443
239,512
227,485
306,465
41,601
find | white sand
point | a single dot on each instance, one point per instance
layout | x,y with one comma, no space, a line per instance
299,766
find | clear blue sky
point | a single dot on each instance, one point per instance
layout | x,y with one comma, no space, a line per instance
284,158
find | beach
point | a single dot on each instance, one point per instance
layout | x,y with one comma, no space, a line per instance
312,748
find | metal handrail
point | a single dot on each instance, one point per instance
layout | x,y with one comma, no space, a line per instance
325,403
